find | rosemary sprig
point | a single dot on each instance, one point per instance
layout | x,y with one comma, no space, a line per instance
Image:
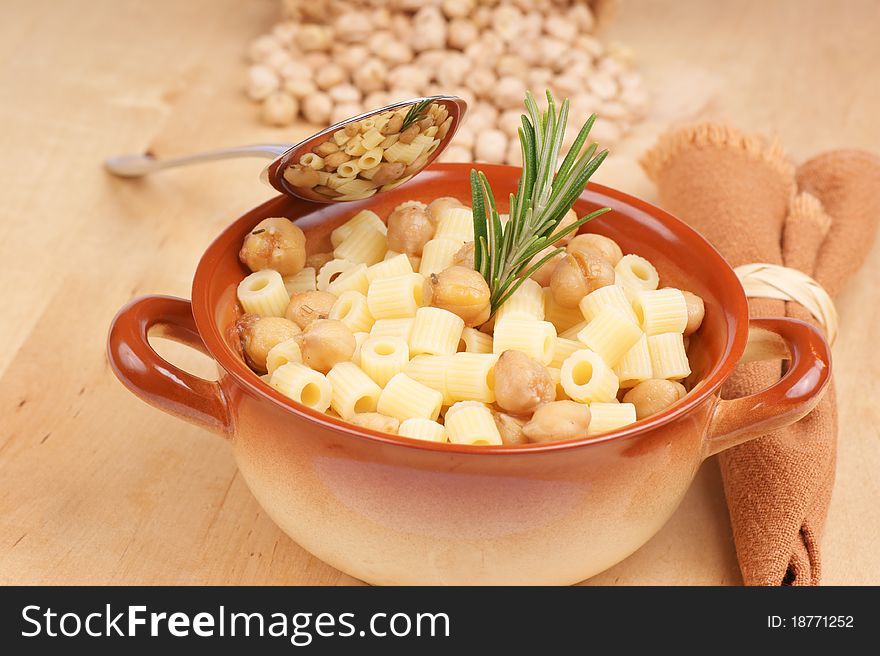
416,113
544,194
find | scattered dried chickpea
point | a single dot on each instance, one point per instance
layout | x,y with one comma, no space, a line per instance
578,274
326,342
375,421
521,383
653,396
259,334
307,307
274,243
601,245
510,428
696,311
558,420
409,228
461,291
279,109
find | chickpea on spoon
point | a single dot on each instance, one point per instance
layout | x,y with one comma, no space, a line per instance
351,160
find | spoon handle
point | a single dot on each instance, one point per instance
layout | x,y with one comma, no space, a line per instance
135,166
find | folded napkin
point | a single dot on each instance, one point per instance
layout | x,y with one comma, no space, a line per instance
746,197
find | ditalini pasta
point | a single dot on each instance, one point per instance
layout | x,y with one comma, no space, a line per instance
282,353
404,398
263,293
635,365
668,357
428,366
473,424
420,428
661,311
353,391
303,385
351,309
586,378
527,302
605,417
610,334
534,338
397,297
384,357
435,332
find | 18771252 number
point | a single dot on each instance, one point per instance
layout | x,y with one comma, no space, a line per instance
810,621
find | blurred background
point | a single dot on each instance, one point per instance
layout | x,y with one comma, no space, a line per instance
96,487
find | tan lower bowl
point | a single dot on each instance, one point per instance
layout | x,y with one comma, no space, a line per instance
390,510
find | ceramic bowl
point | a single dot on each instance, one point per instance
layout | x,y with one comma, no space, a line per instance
391,510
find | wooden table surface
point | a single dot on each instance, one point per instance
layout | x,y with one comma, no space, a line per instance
97,487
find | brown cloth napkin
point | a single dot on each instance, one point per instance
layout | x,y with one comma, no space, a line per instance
755,206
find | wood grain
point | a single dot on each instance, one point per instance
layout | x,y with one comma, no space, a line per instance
97,487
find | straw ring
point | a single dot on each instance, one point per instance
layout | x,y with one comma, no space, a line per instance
785,284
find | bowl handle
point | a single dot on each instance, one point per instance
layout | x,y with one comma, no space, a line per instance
151,377
786,401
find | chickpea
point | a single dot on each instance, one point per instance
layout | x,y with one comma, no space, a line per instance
279,109
578,274
409,228
375,421
602,246
393,125
510,428
317,260
569,218
333,160
325,342
437,206
317,107
409,134
262,82
543,275
464,256
306,307
461,291
696,312
259,334
274,243
521,383
301,176
653,396
558,420
388,172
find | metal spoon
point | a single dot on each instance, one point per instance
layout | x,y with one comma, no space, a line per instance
289,173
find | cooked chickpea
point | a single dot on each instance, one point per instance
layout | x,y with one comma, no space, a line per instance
558,420
333,160
306,307
409,134
601,245
375,421
274,243
409,228
696,312
462,291
510,428
259,334
325,149
653,396
326,342
393,125
569,218
521,383
388,172
301,176
439,205
464,256
578,274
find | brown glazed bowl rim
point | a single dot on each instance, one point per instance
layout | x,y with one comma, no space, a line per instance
230,362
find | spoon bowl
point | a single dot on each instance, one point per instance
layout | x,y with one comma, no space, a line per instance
361,151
